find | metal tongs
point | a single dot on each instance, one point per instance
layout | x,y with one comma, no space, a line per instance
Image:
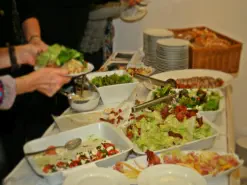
156,82
165,99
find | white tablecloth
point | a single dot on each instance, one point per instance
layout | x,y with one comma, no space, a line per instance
24,175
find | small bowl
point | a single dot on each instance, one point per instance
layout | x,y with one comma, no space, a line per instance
93,101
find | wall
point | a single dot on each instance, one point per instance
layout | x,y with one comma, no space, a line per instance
226,16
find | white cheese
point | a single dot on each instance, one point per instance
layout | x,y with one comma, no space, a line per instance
109,148
94,151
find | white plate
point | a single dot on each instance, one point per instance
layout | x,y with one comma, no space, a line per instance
188,73
96,176
90,68
142,161
134,14
174,43
170,175
153,32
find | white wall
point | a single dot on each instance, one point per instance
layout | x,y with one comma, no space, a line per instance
225,16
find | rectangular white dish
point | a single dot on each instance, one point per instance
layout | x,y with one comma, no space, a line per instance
142,161
200,144
72,121
114,93
101,130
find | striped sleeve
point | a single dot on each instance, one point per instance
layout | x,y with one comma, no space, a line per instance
7,92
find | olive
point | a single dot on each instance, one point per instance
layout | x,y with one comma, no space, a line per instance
172,82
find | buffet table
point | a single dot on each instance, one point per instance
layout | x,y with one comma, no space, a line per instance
23,173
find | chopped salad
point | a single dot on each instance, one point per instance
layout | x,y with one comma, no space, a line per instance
199,99
166,127
113,79
61,56
54,160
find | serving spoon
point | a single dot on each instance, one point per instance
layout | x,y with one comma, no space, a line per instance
69,145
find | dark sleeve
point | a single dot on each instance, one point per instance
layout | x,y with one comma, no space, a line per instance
26,9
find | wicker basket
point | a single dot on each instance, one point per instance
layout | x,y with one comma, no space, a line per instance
226,60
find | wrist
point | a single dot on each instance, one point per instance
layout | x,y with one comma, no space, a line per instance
25,84
13,58
34,37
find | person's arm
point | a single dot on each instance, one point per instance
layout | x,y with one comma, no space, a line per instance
7,92
31,29
25,54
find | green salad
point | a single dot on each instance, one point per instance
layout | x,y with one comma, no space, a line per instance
200,99
113,79
158,130
58,55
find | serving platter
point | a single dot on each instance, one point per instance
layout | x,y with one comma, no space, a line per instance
99,130
140,163
188,73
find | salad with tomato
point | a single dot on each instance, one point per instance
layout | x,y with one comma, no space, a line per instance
54,160
164,127
199,99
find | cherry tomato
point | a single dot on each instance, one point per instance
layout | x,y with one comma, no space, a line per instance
112,152
47,168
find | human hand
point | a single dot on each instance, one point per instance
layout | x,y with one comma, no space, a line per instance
38,43
45,80
26,54
50,80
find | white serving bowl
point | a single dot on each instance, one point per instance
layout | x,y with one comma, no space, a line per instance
113,93
93,102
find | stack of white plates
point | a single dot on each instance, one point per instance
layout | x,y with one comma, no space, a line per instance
150,37
172,54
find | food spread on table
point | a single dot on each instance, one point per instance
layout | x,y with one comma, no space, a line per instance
165,127
61,56
204,38
60,159
199,99
204,162
114,79
199,82
140,70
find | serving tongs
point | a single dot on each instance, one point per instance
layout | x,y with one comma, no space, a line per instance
166,99
155,81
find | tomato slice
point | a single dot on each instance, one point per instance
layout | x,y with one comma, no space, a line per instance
51,150
47,168
60,164
130,135
74,163
106,145
112,152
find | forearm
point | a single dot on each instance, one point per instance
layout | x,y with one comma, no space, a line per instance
24,84
31,28
4,58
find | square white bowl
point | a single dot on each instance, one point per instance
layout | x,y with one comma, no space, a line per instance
114,93
101,130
